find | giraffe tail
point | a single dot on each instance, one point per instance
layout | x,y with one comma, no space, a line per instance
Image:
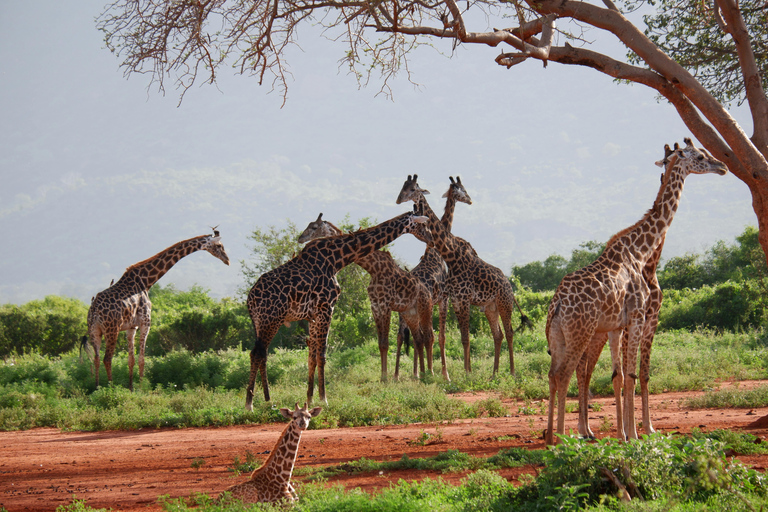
525,322
406,334
85,345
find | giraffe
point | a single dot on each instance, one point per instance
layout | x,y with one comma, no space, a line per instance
433,272
471,281
272,481
612,294
391,289
305,288
595,348
125,305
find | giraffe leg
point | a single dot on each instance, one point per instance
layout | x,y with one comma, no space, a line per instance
109,351
583,376
381,316
319,338
96,344
143,333
442,311
130,336
618,346
402,332
419,342
462,315
649,330
566,351
505,313
492,314
259,362
630,377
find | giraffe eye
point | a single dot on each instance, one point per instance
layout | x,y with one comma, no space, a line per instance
701,157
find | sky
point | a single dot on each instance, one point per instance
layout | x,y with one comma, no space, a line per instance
100,171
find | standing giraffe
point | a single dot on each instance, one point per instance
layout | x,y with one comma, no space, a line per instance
391,289
612,294
595,348
125,305
471,281
433,272
305,288
272,481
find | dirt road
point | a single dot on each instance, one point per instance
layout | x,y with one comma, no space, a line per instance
41,469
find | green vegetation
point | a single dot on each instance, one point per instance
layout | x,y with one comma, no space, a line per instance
186,389
661,473
198,364
724,289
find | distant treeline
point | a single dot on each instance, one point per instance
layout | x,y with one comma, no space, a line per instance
722,289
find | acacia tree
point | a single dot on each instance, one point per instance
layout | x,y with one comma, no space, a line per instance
701,56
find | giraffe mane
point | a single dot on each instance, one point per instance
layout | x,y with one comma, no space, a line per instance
145,261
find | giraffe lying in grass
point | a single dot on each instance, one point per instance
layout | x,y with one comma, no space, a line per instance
272,481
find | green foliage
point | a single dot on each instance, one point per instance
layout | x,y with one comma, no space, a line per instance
726,306
50,326
743,261
689,469
192,320
689,34
546,275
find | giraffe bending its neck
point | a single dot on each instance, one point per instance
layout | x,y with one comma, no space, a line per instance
125,305
391,289
471,281
305,288
272,481
612,294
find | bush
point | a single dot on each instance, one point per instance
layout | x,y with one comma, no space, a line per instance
727,306
50,326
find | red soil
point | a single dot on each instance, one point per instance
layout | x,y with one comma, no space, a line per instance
44,468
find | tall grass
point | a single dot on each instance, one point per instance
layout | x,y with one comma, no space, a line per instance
182,389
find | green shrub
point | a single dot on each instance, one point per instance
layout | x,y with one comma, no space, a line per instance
50,326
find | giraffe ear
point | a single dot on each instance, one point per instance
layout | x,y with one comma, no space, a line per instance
287,413
314,412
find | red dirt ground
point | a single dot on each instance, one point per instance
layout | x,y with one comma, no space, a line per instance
43,468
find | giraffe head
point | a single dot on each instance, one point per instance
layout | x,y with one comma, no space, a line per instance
318,229
457,191
418,226
212,244
691,160
411,190
301,416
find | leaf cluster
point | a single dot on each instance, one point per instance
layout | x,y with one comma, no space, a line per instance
689,33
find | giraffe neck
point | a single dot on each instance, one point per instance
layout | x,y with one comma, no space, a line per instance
377,262
442,240
340,251
144,274
644,238
450,206
280,462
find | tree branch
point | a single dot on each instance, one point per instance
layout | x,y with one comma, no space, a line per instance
758,103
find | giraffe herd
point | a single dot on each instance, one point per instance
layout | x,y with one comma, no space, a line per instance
615,299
